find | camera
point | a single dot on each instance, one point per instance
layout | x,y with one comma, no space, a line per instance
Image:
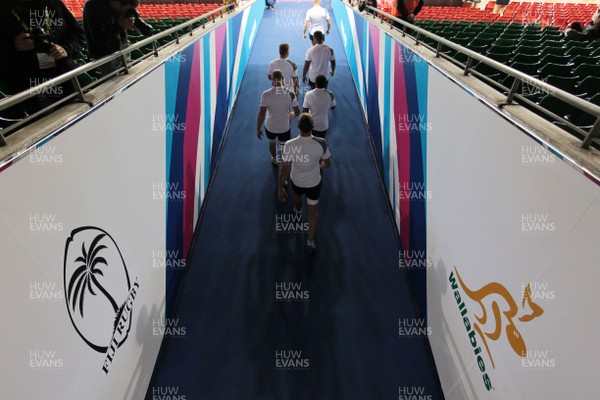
42,40
139,23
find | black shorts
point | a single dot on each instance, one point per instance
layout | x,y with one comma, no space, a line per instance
283,137
320,134
311,193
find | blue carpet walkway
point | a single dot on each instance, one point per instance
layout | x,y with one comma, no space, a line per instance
239,336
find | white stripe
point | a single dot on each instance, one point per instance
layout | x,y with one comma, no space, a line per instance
199,153
238,53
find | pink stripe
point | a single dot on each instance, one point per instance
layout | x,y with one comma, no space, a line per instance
219,44
190,148
403,146
374,33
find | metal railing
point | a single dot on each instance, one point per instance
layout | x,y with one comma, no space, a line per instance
181,30
519,77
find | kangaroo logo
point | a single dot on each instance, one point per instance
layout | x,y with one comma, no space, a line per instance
98,291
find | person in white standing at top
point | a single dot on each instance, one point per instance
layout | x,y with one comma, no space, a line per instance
318,102
317,19
287,67
317,61
274,112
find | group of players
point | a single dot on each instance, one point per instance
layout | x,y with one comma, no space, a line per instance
301,158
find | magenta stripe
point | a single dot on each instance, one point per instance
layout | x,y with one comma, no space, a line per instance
190,147
402,144
374,33
220,33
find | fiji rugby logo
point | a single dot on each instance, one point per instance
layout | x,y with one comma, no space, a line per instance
98,291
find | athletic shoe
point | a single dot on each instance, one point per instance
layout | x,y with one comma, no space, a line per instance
274,160
311,245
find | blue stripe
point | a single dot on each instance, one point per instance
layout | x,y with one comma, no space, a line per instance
175,207
387,82
206,115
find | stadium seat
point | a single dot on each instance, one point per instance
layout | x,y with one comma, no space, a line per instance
587,87
506,42
585,70
488,71
502,58
577,60
555,59
501,49
566,83
556,106
525,58
530,43
559,51
531,50
555,69
527,68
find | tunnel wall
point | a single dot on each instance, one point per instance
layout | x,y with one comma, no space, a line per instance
506,227
97,221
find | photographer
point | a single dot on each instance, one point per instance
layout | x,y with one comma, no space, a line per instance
38,39
106,22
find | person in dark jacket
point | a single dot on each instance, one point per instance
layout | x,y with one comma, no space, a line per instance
38,40
105,23
590,31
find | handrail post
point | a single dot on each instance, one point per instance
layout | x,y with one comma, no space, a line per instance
2,139
513,90
418,37
78,89
594,133
124,60
468,65
438,49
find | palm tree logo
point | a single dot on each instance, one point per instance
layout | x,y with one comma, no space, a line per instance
96,285
84,279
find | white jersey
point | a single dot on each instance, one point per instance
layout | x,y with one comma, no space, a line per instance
278,100
319,55
317,18
305,154
287,67
319,101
